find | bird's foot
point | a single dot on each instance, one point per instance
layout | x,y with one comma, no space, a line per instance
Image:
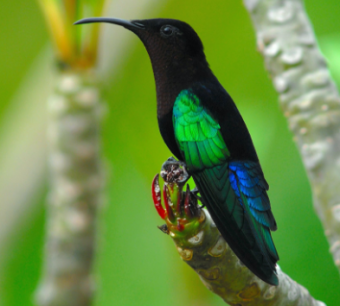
174,171
181,208
195,193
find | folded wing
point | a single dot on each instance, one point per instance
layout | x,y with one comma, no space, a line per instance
233,191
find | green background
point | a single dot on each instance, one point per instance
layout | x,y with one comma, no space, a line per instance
136,264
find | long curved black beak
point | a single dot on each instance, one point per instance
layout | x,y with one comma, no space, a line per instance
130,25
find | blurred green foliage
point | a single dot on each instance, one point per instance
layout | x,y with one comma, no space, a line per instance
136,263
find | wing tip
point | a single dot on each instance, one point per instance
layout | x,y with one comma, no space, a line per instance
273,279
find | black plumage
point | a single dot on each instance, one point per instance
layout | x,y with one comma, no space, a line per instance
201,125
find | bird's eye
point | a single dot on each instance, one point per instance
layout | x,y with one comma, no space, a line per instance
167,31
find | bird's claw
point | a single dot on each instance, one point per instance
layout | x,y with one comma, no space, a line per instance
174,171
195,193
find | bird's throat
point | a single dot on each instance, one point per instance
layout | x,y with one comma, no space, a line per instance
172,77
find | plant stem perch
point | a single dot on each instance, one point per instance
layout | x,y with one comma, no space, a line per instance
202,247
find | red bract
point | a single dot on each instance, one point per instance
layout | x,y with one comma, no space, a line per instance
156,196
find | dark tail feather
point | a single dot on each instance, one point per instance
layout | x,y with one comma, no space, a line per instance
250,240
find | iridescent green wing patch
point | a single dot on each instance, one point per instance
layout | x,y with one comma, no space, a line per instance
197,133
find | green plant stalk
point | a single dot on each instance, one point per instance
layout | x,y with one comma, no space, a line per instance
201,246
75,188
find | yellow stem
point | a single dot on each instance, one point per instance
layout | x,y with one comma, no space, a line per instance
56,24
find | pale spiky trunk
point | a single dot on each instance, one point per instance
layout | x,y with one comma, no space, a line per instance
75,185
73,158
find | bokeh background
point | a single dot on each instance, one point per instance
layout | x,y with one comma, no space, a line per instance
136,264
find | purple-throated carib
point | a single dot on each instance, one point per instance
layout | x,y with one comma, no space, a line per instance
202,127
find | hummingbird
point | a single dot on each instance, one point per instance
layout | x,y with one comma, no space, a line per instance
202,127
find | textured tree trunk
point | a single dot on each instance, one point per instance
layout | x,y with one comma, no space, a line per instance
75,185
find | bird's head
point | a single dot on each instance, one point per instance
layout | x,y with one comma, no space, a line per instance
168,41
